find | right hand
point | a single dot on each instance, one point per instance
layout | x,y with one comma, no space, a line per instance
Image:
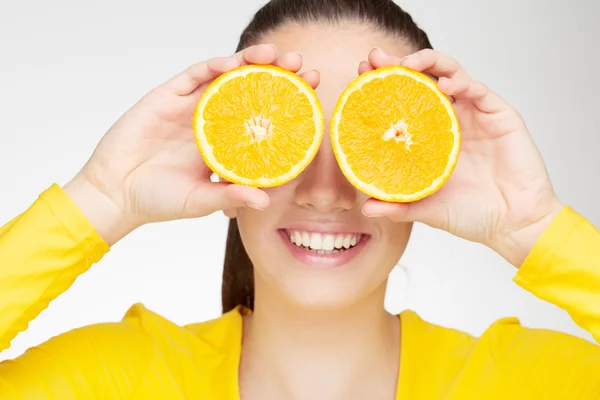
147,168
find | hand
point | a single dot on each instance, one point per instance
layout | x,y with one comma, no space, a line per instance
500,193
147,168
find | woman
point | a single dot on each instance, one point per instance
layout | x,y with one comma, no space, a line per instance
300,324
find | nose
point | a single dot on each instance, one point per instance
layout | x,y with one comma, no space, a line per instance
322,186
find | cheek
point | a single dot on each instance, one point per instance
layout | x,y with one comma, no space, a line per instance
280,194
258,229
400,230
252,225
397,237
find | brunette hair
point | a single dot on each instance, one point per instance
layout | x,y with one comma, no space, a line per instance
383,15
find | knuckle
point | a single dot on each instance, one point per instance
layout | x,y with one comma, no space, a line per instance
428,53
481,87
454,63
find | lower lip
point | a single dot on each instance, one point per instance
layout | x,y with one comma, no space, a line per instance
317,260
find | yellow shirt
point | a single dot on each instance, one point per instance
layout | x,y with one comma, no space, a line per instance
145,356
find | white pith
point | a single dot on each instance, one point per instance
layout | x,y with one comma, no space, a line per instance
398,132
259,127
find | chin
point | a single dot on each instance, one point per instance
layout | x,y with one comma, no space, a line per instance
319,294
319,281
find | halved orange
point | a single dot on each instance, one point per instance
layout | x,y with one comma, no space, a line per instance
258,125
395,135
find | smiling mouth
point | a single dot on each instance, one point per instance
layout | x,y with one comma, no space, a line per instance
324,243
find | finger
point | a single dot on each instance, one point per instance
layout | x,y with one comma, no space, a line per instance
435,63
239,196
187,81
364,66
290,61
379,59
312,77
464,88
398,212
215,196
258,54
417,211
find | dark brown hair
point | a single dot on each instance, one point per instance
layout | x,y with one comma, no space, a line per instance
383,15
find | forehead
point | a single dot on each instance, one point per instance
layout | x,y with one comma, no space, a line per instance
335,51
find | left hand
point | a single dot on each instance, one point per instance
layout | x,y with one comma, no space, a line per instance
500,193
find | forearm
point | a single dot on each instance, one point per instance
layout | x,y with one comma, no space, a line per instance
41,254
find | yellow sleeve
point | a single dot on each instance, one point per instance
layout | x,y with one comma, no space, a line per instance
42,252
563,268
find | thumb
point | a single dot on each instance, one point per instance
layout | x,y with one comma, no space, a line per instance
215,196
424,211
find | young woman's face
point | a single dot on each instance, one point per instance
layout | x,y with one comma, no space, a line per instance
320,208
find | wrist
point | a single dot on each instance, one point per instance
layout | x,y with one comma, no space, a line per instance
518,244
100,210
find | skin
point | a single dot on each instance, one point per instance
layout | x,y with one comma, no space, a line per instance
499,195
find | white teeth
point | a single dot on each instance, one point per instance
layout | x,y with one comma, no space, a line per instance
339,241
316,241
346,242
324,243
297,238
305,239
328,242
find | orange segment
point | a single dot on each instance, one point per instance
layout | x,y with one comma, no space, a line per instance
258,125
395,134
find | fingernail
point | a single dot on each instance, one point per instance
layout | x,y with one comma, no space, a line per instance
374,49
253,205
273,46
371,215
301,55
413,55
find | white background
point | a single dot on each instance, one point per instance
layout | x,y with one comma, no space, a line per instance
69,69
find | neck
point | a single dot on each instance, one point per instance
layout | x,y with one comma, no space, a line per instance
296,352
